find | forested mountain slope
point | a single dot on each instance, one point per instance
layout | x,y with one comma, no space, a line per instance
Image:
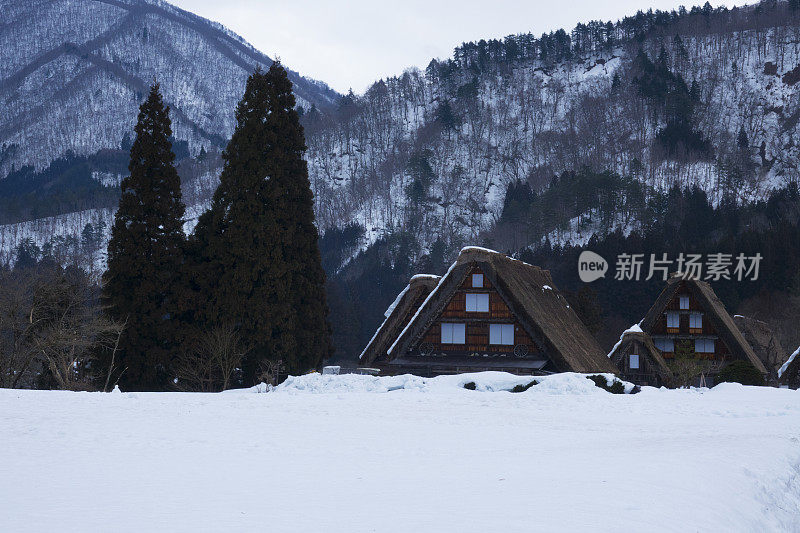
706,97
74,72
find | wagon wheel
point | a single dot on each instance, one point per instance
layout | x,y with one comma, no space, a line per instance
425,348
521,350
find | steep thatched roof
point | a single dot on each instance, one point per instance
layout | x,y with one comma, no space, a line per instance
764,343
652,353
397,316
531,295
716,314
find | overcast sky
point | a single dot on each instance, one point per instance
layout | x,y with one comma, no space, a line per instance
353,43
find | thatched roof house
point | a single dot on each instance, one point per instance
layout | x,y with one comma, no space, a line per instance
688,312
638,359
764,343
489,312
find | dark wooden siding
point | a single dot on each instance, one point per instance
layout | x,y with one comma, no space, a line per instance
684,333
646,374
477,323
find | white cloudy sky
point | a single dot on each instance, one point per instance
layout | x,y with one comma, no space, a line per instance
352,43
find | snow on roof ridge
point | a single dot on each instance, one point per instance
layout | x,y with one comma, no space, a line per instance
479,249
393,305
361,355
636,328
788,362
424,276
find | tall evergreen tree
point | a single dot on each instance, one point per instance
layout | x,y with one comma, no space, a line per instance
291,188
258,262
233,243
145,253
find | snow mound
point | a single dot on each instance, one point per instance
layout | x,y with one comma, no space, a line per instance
258,389
322,384
555,384
562,456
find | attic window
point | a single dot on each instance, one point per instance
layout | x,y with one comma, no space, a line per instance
477,303
501,334
696,320
633,362
477,281
454,333
704,345
684,303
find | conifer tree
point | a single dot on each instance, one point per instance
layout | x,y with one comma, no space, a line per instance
741,140
295,216
145,253
259,266
233,241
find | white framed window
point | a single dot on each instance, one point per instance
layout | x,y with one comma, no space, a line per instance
684,302
696,320
501,334
477,281
454,333
633,362
477,302
665,345
673,320
704,345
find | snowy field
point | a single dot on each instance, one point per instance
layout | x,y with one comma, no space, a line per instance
359,453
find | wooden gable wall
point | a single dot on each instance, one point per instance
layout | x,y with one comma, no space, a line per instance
648,372
683,332
477,323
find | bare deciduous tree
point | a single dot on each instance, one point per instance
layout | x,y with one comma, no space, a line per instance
51,328
270,372
17,323
210,361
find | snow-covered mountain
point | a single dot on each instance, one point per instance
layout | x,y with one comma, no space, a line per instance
73,73
529,109
433,152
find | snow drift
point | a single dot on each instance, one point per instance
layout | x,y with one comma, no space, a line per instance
359,453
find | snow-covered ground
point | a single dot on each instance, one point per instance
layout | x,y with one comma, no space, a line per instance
360,453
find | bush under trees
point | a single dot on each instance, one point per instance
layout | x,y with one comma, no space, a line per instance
616,387
740,372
